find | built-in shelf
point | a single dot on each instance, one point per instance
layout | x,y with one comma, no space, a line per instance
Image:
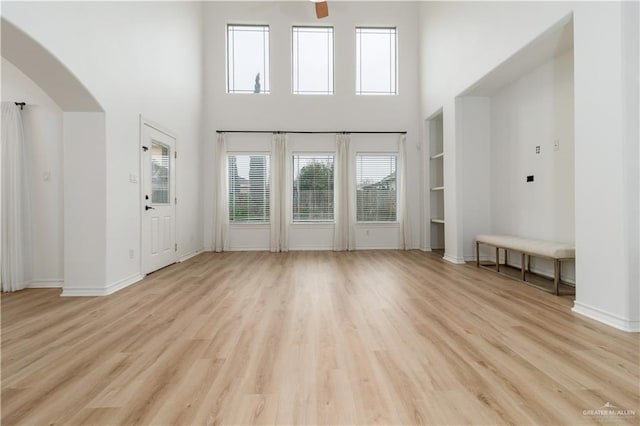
435,182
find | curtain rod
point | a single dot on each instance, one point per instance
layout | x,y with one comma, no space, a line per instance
21,105
402,132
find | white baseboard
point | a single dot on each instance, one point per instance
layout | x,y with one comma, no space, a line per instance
482,258
110,289
310,248
632,326
425,249
46,283
190,255
455,260
380,248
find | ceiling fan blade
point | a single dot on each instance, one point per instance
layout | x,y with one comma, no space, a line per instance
322,9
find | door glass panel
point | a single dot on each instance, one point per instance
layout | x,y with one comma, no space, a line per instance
160,173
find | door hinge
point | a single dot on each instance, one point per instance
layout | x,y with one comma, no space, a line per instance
175,154
175,200
176,247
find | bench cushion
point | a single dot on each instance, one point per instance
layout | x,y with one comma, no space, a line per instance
537,247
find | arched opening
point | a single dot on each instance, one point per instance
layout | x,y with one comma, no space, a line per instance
79,158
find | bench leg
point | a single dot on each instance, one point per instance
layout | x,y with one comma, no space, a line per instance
529,264
522,270
556,276
477,254
497,259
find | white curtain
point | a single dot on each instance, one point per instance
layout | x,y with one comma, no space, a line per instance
403,211
279,194
221,228
344,237
16,210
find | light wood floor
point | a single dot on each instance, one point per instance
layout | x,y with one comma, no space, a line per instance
384,337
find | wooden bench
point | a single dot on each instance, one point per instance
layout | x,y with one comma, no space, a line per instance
527,248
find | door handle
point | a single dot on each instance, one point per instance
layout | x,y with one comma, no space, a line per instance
148,208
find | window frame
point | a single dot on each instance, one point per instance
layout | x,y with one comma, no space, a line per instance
293,176
266,222
375,154
267,55
358,67
295,70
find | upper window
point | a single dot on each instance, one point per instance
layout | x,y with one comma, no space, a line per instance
247,58
376,188
376,61
313,188
313,60
249,188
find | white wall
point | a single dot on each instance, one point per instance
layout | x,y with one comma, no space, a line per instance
135,58
461,42
42,121
281,110
536,110
474,126
85,215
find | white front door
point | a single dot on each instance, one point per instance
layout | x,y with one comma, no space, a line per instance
158,199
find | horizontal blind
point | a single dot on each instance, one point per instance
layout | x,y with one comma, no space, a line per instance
376,188
249,188
313,188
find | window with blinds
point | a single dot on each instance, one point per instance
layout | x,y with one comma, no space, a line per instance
249,188
247,59
312,60
313,188
376,187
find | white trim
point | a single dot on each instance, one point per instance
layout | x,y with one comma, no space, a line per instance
46,283
425,249
247,249
483,258
632,326
110,289
454,260
310,248
380,248
189,255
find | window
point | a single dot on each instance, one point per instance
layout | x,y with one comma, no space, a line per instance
247,58
313,60
376,188
313,188
376,61
160,171
249,188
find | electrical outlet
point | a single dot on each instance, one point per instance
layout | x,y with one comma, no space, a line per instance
530,178
133,178
538,149
132,253
556,145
